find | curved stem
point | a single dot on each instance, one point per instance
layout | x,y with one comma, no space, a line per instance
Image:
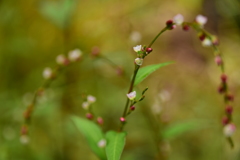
217,52
163,30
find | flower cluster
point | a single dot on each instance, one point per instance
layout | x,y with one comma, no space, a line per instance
208,40
48,74
90,100
86,105
24,138
62,60
142,53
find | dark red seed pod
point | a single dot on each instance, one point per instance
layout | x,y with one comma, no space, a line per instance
149,50
225,120
169,23
24,130
218,60
100,120
89,116
202,37
229,97
186,27
221,89
132,108
172,27
224,78
229,109
122,119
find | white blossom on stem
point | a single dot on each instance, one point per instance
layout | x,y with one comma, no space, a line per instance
61,59
137,48
229,129
91,99
85,105
131,95
24,139
74,55
201,20
206,42
178,19
139,61
47,73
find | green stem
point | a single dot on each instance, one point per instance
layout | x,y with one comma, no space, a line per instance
163,30
125,113
130,89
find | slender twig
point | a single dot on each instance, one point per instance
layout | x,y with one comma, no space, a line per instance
137,67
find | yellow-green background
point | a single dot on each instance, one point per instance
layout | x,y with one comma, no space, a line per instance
34,32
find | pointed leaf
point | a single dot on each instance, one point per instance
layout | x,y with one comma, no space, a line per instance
58,12
115,144
181,128
92,133
146,71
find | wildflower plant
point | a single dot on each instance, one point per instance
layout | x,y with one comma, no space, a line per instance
110,145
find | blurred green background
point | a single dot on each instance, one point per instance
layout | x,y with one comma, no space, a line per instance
34,32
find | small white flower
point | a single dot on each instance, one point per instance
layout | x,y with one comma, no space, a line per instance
202,20
206,42
137,48
102,143
91,99
229,129
74,55
139,61
24,139
135,36
61,59
178,19
85,105
47,73
131,95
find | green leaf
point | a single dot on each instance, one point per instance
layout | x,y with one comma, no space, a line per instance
58,12
115,144
146,71
181,128
92,133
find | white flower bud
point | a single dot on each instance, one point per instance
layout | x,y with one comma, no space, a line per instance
178,19
131,95
201,20
91,99
85,105
229,129
74,55
137,48
47,73
139,61
102,143
207,42
24,139
62,60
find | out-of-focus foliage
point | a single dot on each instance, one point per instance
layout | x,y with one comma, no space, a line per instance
33,33
93,134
